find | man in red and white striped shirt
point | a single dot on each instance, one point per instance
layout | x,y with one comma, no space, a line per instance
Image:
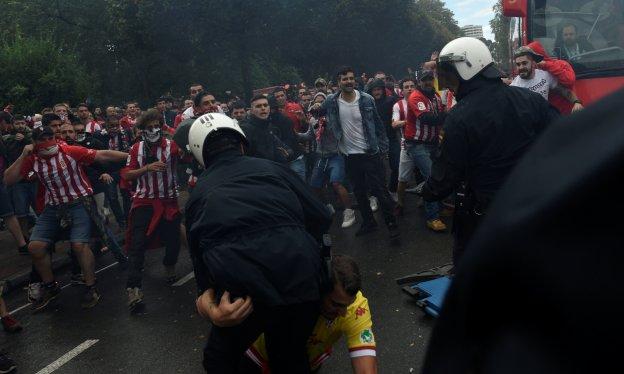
425,117
91,125
129,120
152,165
406,164
59,168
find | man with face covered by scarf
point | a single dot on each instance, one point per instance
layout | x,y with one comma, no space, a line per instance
60,170
152,164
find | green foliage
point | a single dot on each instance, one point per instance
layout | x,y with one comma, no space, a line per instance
500,28
35,73
140,49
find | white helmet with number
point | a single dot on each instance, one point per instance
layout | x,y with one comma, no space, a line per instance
209,125
469,57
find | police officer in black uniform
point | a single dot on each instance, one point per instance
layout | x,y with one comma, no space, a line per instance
485,134
254,231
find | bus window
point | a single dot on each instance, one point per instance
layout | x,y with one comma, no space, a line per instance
588,33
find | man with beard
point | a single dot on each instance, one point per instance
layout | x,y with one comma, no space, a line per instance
425,117
384,104
361,136
540,81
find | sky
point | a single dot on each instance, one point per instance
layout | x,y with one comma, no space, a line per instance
473,12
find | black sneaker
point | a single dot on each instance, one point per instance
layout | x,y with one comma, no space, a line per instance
6,364
77,279
90,298
366,228
48,293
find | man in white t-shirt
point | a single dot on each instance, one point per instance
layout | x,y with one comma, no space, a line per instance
539,81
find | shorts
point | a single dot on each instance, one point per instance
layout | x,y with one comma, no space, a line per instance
6,206
48,224
332,167
406,166
23,197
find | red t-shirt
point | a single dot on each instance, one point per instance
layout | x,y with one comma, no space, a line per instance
290,110
418,104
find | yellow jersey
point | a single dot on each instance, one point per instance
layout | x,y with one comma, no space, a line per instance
356,326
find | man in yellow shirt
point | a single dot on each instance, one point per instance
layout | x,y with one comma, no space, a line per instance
344,312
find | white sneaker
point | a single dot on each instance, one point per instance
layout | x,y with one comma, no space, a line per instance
348,218
331,209
394,196
34,292
374,204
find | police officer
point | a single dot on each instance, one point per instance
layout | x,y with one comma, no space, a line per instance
254,230
485,134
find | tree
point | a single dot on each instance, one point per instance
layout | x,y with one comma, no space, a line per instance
35,74
142,49
500,29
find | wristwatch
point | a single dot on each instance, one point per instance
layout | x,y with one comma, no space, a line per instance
577,101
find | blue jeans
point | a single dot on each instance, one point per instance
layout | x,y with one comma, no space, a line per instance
23,197
421,155
299,167
48,224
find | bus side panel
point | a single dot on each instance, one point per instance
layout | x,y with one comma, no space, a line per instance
593,89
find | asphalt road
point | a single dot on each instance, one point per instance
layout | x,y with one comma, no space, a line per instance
168,337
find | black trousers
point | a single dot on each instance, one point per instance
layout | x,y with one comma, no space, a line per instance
366,173
464,227
169,232
286,330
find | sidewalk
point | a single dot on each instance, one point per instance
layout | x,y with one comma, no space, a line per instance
15,268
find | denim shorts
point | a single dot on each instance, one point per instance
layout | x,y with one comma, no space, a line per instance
332,167
48,224
6,206
23,197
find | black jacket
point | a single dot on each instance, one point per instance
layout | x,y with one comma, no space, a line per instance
263,143
254,228
539,289
282,127
485,135
384,107
94,171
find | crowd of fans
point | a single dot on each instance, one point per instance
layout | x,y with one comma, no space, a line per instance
72,165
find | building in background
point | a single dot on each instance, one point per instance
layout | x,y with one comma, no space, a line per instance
474,31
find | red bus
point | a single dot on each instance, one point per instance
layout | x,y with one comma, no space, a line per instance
587,33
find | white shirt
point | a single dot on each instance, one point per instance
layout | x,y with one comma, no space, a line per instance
396,110
542,82
353,140
190,113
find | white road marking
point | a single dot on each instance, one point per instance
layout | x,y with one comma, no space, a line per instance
106,267
62,288
184,279
67,357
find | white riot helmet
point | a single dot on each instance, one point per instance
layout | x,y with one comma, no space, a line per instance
468,57
210,125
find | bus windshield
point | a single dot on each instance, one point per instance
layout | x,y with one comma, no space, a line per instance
589,34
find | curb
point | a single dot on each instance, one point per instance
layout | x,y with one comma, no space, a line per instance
61,262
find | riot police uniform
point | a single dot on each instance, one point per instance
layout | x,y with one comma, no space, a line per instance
485,135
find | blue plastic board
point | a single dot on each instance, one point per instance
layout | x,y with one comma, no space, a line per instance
432,294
